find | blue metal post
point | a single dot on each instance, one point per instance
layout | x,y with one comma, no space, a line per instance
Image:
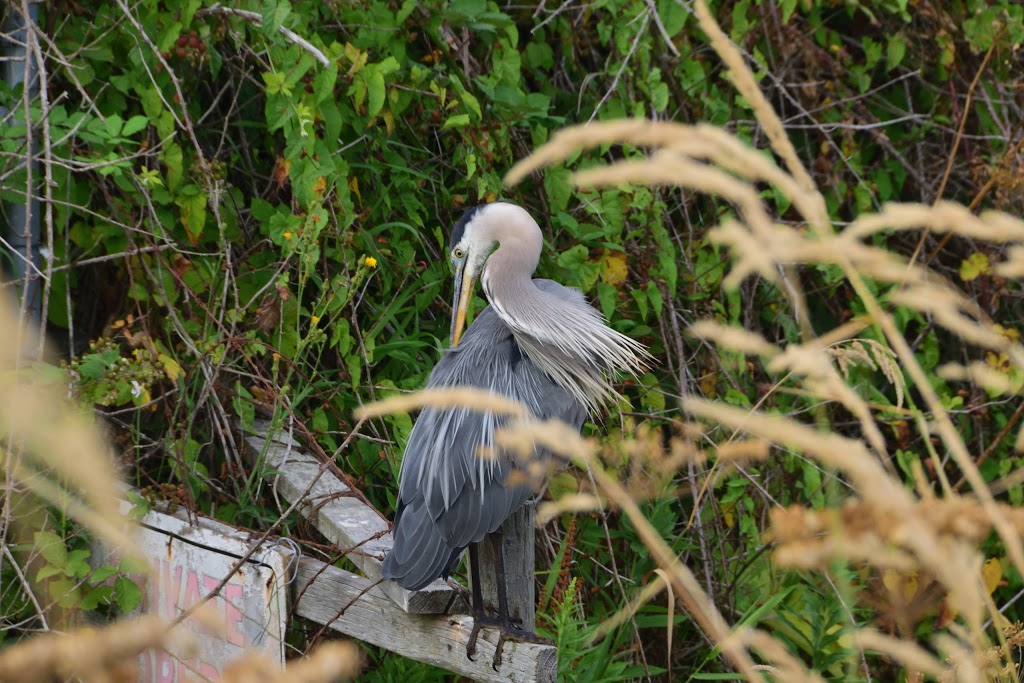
20,219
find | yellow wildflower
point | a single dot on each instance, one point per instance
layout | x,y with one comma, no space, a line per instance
314,319
370,262
287,235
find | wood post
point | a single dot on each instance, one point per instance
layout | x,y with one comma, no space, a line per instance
518,545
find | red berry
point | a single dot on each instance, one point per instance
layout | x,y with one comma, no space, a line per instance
183,41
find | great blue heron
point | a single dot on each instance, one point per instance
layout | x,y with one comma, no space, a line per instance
538,343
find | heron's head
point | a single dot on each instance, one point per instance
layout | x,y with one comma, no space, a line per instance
473,239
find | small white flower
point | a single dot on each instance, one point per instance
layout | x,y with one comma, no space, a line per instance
136,388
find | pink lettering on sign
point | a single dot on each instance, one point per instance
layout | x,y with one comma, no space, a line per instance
233,596
177,588
170,585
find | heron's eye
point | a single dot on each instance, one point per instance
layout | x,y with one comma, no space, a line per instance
458,253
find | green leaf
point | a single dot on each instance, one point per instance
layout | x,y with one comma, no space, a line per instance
467,9
376,91
469,101
96,596
659,97
894,51
113,125
152,105
974,266
78,563
456,121
193,213
558,187
389,65
244,405
341,337
173,158
48,570
134,125
51,547
276,83
319,421
654,296
65,592
274,13
127,594
101,574
788,7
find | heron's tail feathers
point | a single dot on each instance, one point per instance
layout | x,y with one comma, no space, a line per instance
419,555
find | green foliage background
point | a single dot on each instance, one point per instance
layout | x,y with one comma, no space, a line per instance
238,230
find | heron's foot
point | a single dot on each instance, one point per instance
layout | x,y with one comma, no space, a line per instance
518,635
479,622
507,631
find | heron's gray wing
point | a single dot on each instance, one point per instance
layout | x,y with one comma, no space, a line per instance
419,555
447,490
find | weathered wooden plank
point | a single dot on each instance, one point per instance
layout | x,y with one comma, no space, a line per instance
346,521
517,541
354,606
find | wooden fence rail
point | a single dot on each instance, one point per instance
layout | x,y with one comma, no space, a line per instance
430,625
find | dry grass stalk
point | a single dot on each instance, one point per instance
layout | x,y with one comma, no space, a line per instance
909,654
865,473
571,502
91,654
474,399
748,450
944,216
946,307
787,667
328,662
735,338
649,592
822,378
45,434
982,374
743,78
109,655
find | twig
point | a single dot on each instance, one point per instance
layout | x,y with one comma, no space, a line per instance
625,62
951,159
661,28
257,18
960,129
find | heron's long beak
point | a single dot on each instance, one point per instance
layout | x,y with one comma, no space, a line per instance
460,305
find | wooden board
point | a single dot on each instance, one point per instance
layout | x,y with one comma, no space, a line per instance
352,605
354,527
189,561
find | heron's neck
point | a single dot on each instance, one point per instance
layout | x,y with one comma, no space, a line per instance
510,268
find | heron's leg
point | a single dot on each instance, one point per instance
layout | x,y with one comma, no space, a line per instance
474,577
504,621
507,627
479,618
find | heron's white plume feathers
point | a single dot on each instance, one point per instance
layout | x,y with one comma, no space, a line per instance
569,340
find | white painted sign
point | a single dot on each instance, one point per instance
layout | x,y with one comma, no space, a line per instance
189,562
